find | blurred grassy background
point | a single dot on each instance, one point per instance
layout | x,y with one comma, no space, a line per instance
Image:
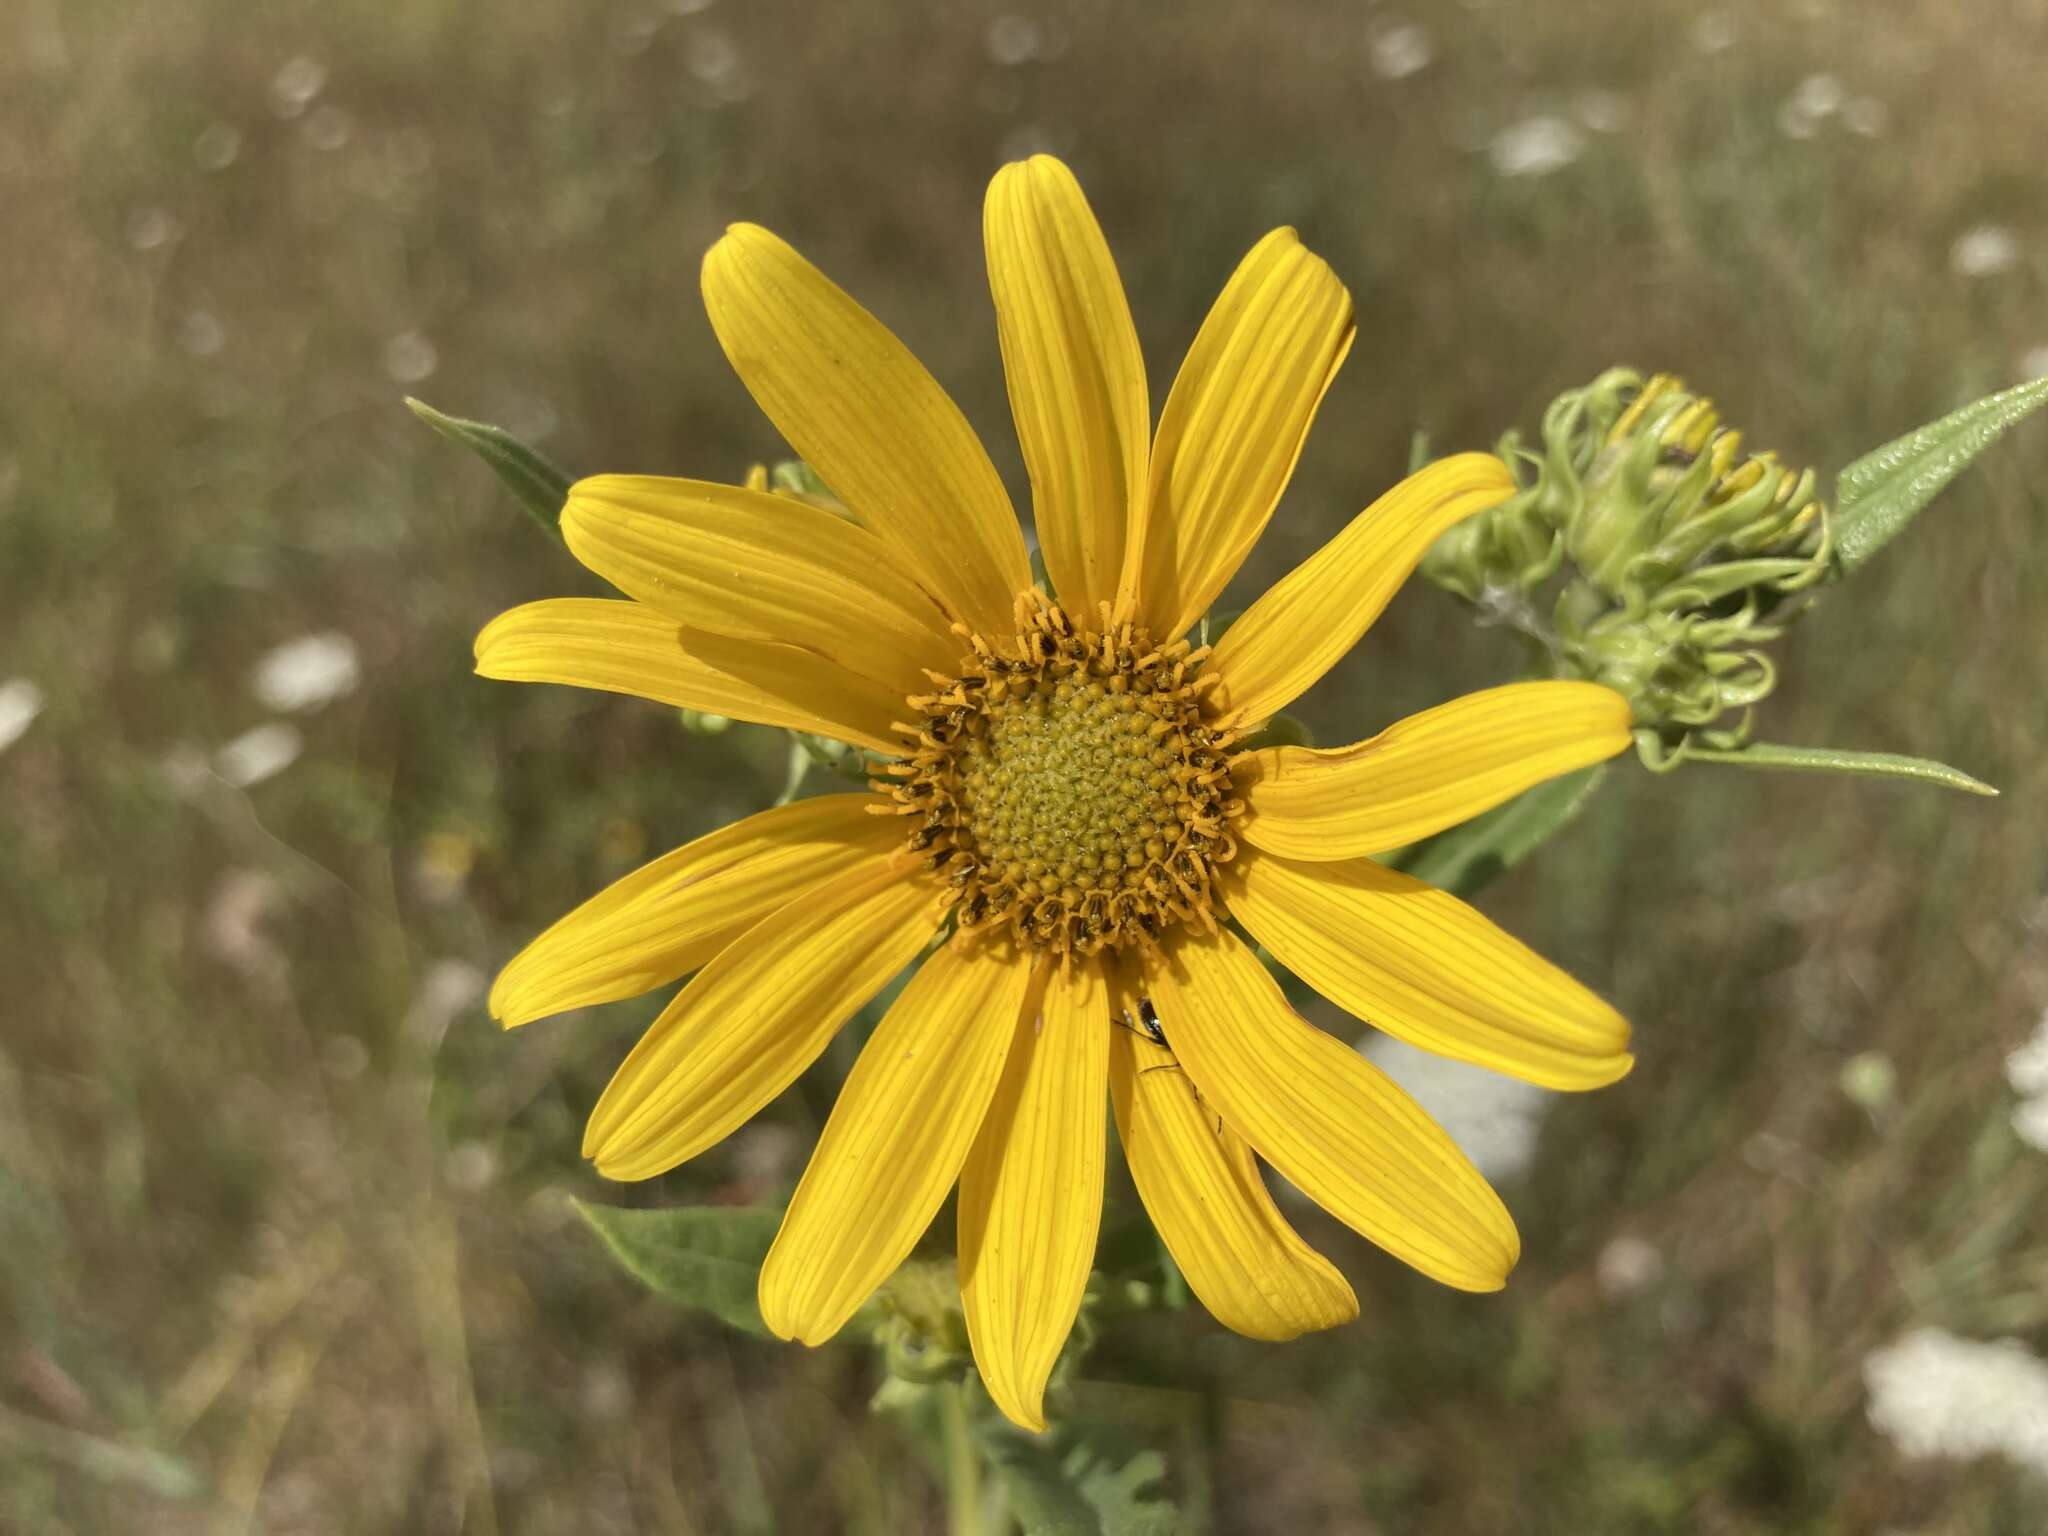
284,1236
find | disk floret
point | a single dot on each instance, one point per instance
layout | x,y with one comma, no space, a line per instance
1067,785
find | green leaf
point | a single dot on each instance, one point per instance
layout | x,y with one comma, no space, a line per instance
1880,493
540,487
1084,1479
1887,765
1466,858
703,1256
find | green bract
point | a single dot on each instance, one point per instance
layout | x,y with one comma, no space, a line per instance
1677,558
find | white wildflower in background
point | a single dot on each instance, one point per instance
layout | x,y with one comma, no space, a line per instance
1812,102
328,127
1984,251
2027,1068
2030,1122
149,228
1715,32
258,754
1932,1394
1401,50
20,702
1494,1118
295,84
1011,39
1866,117
2034,363
1535,147
410,357
1626,1266
1869,1080
201,334
1601,111
307,673
217,146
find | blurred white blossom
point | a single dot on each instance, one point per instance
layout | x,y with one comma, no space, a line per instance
258,754
1715,32
20,702
2030,1122
1535,147
217,146
2027,1068
1932,1394
1601,111
1627,1265
1401,50
328,127
1494,1118
149,228
297,81
307,672
1011,39
1984,251
201,334
1866,117
410,357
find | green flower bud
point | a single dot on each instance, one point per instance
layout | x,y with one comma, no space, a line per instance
1678,553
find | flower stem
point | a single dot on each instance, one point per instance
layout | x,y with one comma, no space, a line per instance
963,1464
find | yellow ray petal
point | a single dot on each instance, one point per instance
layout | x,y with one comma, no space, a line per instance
1233,427
759,1013
1031,1192
1327,1118
1418,963
865,414
1076,376
669,917
1204,1194
1309,618
1428,772
622,647
895,1141
762,567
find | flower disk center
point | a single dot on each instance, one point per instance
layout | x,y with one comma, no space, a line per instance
1068,787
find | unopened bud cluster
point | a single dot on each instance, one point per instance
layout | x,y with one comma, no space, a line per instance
1674,553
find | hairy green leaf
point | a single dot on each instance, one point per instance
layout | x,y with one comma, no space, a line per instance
1880,493
1466,858
1887,765
1085,1479
706,1257
540,487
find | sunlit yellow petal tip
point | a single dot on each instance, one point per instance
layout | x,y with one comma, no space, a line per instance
1030,1199
1233,427
1328,1119
895,1141
1075,374
1427,772
1424,966
1312,616
863,412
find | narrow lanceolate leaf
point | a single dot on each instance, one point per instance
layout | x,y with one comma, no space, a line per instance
706,1257
540,487
1876,496
1466,859
1884,765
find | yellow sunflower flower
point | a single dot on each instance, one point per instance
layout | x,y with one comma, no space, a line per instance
1067,796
